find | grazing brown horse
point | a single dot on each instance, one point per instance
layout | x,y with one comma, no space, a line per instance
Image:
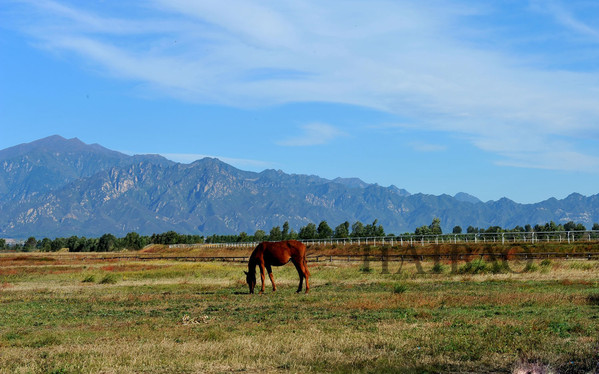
269,254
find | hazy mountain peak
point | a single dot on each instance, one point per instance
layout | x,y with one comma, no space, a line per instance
351,182
466,198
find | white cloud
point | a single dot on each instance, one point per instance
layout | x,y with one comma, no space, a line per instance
413,59
314,134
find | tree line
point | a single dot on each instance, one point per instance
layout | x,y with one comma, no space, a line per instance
307,232
345,230
105,243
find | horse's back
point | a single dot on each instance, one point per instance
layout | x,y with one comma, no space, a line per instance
281,252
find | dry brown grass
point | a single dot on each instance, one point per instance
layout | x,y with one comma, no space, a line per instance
350,322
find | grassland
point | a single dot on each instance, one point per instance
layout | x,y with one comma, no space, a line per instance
61,316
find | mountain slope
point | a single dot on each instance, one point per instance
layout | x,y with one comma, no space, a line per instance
59,187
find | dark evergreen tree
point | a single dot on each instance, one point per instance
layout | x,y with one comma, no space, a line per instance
324,231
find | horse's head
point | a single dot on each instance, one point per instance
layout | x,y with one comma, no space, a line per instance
250,278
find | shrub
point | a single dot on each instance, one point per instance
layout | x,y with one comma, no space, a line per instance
89,279
593,299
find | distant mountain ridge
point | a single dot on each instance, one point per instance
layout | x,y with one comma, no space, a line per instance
62,187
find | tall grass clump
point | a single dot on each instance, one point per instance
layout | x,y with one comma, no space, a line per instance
438,268
531,267
109,279
477,266
546,263
499,267
89,279
399,288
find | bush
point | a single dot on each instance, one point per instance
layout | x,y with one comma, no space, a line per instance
109,279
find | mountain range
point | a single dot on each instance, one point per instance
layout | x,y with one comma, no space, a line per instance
59,187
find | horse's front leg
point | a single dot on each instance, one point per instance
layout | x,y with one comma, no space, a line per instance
262,277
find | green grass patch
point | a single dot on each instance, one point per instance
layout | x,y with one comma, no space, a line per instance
109,279
199,317
399,288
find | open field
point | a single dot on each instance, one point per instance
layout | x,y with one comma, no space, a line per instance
159,316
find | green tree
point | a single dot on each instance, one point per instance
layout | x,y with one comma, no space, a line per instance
472,230
285,233
45,245
422,230
71,243
570,226
107,242
342,231
308,232
595,227
357,229
58,244
324,231
275,234
292,235
243,237
29,244
133,241
2,243
259,235
374,229
435,227
457,230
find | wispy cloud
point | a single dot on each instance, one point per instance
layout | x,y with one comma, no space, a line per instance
313,134
414,59
566,18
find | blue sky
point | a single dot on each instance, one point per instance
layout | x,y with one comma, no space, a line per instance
494,98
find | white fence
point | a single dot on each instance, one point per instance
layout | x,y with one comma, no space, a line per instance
411,239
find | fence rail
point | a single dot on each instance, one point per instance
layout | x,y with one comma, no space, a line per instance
367,256
411,239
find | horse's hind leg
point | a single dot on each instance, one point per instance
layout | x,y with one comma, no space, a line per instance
302,271
306,273
272,279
